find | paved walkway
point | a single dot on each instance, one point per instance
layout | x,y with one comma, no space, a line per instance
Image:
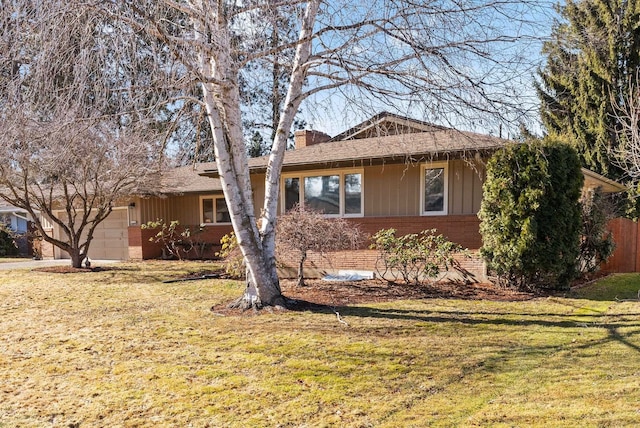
32,264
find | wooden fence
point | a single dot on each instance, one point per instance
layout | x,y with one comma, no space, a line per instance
626,257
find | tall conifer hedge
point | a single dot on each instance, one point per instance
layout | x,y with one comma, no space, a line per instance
531,215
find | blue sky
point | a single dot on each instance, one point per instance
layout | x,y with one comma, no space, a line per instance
334,111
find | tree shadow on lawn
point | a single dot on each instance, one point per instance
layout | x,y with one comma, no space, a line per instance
612,323
495,318
70,269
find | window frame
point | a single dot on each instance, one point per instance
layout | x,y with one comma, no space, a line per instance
342,173
214,198
444,165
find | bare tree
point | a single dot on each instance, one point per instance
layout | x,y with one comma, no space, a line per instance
301,231
627,129
75,137
455,59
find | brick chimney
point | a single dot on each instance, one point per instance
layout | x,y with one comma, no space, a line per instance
308,137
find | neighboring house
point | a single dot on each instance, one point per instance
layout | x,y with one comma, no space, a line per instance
389,171
18,220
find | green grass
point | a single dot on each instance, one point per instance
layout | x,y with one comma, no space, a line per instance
120,348
621,286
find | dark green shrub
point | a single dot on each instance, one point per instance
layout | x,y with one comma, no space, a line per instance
596,242
531,216
414,258
8,245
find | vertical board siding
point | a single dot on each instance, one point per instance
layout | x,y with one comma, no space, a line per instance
465,192
257,185
626,257
392,190
184,208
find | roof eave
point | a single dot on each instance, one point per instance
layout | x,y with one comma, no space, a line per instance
608,185
418,156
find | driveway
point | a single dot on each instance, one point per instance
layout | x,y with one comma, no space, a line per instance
33,264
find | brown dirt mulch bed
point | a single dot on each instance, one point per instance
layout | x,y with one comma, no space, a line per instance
373,291
319,295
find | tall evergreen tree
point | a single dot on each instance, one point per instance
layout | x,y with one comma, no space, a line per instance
531,214
591,58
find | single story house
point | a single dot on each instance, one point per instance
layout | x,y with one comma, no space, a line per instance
18,220
389,171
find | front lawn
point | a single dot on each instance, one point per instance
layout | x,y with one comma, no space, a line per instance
119,347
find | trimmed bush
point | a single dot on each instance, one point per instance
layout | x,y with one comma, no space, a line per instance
531,215
301,231
232,256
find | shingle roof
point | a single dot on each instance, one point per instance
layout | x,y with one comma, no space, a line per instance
377,122
188,179
400,148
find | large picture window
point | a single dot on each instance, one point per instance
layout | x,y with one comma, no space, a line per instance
213,210
434,189
332,193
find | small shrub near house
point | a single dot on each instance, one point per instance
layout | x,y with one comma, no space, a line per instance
8,245
301,231
177,242
531,215
233,261
414,258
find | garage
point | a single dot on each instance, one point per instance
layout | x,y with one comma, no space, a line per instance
110,238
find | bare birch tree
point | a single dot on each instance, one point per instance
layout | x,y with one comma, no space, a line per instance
455,59
75,137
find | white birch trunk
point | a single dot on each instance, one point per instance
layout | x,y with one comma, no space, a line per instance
222,103
276,158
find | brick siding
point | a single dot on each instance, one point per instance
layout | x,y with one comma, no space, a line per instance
142,248
463,230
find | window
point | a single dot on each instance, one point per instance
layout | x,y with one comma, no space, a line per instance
291,192
353,194
434,189
335,194
322,193
213,210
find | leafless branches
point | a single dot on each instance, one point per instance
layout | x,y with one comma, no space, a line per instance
120,65
627,120
78,132
301,231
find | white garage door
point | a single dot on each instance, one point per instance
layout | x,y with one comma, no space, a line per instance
110,239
